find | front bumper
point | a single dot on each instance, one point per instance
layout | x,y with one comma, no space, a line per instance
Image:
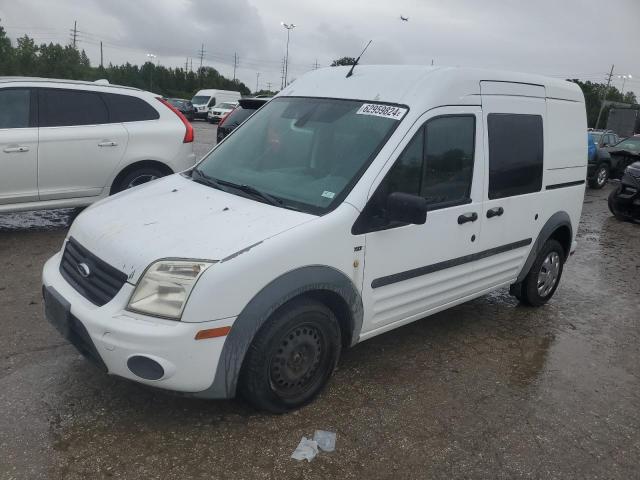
110,336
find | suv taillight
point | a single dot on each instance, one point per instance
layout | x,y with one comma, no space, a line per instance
224,117
188,135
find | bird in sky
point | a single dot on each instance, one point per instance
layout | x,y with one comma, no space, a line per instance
404,19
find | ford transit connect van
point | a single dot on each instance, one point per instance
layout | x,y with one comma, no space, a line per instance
344,208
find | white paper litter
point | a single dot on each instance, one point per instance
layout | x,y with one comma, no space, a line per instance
307,449
326,440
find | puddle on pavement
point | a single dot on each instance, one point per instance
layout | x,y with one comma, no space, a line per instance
37,220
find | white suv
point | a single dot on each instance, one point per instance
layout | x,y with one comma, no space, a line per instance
65,143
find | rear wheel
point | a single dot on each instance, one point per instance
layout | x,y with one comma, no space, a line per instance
600,177
137,177
291,357
542,280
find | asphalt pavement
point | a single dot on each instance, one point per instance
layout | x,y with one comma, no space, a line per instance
488,389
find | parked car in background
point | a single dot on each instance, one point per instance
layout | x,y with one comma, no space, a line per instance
247,273
246,107
598,165
623,154
220,110
624,201
65,143
185,107
604,138
205,99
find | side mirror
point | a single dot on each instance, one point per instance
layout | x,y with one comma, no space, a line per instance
406,208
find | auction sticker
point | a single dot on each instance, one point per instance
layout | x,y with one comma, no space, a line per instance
385,111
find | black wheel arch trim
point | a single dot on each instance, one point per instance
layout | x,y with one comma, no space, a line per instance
278,292
557,220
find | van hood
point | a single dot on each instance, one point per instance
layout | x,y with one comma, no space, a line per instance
175,217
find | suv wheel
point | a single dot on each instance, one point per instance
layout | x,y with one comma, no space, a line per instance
600,177
542,280
137,177
291,357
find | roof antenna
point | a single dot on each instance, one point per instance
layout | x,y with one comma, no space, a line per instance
357,60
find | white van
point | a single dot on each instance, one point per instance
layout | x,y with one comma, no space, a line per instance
205,99
344,208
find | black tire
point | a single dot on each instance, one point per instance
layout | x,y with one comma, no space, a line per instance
612,207
531,292
600,176
137,177
291,357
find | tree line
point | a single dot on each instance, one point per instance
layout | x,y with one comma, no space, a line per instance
53,60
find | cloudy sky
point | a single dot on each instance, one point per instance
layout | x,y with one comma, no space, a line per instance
563,38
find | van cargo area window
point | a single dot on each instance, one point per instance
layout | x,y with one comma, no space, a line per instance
515,154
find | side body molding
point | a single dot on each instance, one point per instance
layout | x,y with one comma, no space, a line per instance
267,301
558,219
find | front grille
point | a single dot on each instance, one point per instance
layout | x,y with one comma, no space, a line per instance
103,281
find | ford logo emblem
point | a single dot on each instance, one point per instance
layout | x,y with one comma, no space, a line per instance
83,269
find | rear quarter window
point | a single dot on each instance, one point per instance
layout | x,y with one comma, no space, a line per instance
127,108
515,154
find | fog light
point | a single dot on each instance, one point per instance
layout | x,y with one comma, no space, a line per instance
145,367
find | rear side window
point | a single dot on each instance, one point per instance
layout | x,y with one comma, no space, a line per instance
126,108
238,116
59,108
15,104
515,154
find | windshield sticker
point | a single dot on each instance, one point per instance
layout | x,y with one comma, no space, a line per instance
385,111
328,194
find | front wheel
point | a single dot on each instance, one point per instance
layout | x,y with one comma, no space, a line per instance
291,357
600,177
542,280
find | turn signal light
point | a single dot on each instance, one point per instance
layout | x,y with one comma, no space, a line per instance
213,333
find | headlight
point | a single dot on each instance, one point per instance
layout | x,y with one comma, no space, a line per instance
164,288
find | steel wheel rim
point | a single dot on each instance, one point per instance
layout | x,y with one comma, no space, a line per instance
548,275
296,364
140,179
602,176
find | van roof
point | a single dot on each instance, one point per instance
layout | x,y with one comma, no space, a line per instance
416,85
97,83
214,90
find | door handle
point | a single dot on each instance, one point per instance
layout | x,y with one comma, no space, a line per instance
16,149
467,217
495,212
107,144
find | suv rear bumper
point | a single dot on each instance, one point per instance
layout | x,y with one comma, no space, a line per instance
111,337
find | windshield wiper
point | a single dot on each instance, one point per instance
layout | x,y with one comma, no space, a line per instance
199,177
252,191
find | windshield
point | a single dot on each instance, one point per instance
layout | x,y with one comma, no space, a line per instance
200,99
596,137
225,106
176,103
305,152
632,144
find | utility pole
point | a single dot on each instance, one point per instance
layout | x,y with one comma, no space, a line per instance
235,65
315,66
269,86
202,51
257,79
186,65
101,56
74,33
282,75
604,96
